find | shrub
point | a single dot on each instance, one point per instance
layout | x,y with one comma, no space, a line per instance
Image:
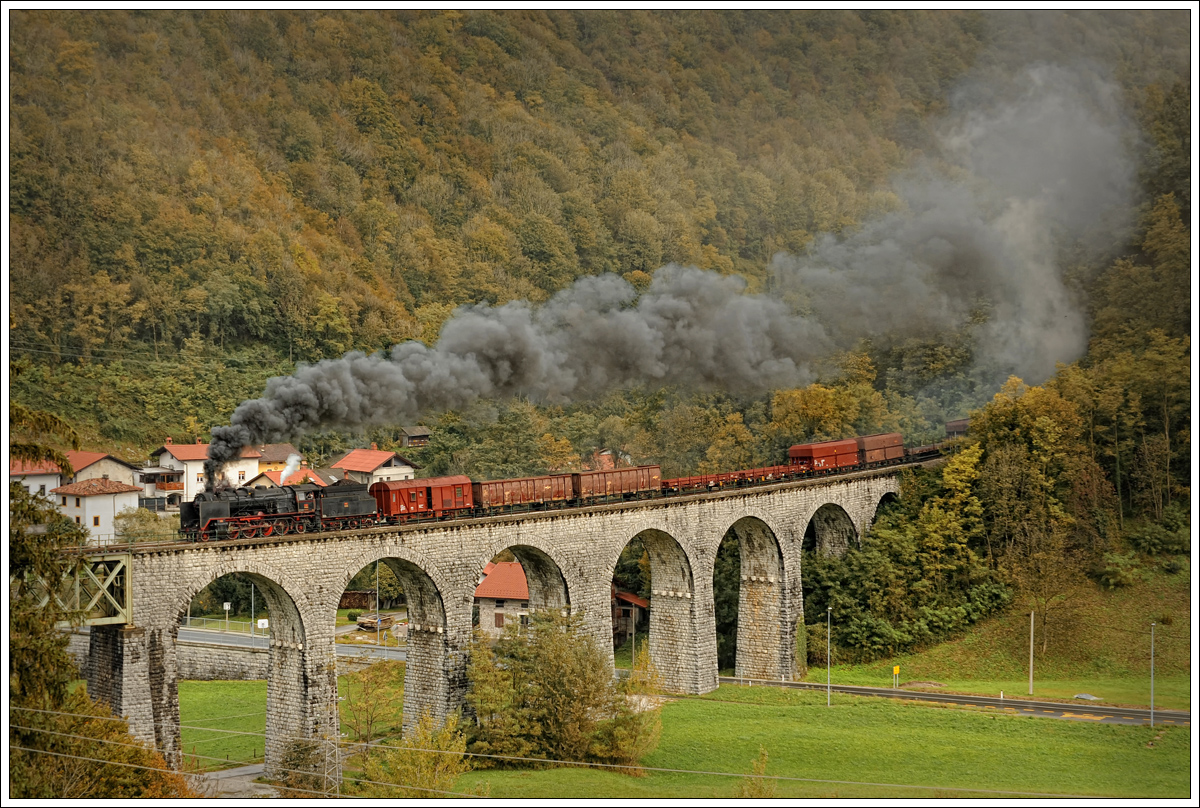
353,615
1118,570
549,692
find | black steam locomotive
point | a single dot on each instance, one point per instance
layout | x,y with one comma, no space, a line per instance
254,512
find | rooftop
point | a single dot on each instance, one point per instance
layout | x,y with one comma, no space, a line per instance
505,581
276,452
368,460
94,487
197,451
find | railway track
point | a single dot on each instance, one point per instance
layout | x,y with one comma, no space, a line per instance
1087,710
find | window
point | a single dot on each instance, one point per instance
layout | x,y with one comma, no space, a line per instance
42,490
412,496
77,520
95,521
499,604
499,619
76,502
458,490
64,502
199,478
524,621
241,476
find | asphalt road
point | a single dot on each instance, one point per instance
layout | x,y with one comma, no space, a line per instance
211,637
1081,711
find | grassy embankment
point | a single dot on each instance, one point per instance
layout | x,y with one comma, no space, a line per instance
1100,645
875,748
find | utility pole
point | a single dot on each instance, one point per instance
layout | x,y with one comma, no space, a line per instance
828,645
252,610
1031,653
378,617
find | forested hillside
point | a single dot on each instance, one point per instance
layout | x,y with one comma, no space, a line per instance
200,200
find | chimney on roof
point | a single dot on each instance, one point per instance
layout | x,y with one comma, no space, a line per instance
106,476
374,447
168,441
198,441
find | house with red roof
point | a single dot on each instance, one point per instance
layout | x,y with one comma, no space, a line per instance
373,465
502,597
628,612
94,503
189,458
301,476
40,478
274,456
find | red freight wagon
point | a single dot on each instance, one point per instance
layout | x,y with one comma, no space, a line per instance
434,496
703,482
884,448
622,483
525,491
826,456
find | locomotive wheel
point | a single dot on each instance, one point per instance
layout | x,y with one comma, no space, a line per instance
283,527
251,532
235,532
300,527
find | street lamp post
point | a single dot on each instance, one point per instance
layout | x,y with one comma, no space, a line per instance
1152,675
828,686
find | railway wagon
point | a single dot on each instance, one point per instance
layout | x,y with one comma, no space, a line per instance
880,449
433,497
707,482
826,456
524,492
619,483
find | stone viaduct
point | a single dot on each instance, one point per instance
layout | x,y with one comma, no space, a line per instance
568,556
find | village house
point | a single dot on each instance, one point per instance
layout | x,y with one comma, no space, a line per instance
189,458
628,612
502,597
414,436
301,476
274,456
372,466
95,503
41,478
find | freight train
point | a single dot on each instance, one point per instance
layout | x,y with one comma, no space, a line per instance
249,513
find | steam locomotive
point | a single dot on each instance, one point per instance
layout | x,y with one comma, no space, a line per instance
250,513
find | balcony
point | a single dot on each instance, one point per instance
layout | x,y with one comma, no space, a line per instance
169,486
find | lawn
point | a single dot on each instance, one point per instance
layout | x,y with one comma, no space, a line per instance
1100,645
873,741
874,748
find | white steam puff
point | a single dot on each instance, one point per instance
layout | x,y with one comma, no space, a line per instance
293,463
1045,165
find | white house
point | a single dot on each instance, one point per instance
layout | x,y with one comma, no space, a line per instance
95,503
372,465
38,478
189,458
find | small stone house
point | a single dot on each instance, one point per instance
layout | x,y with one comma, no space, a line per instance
502,597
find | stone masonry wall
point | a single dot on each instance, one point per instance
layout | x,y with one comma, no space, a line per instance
304,576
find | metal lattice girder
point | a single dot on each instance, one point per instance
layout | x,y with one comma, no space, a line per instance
100,589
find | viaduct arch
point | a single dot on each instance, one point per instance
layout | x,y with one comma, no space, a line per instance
568,555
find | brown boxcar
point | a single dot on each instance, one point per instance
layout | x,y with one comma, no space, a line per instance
883,448
825,456
526,491
619,483
431,497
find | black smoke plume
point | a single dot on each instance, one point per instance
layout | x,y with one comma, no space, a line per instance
1036,161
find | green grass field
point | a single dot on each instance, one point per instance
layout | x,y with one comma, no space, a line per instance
874,748
1099,644
872,741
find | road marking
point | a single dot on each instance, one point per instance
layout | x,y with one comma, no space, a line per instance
1088,717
